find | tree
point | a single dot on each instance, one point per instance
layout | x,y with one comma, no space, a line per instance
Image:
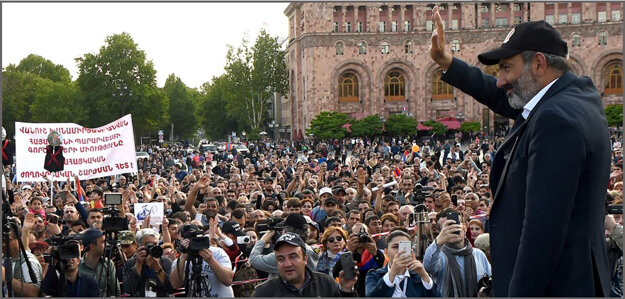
215,122
254,75
328,125
470,126
181,107
43,68
614,114
119,80
437,128
57,102
400,124
368,126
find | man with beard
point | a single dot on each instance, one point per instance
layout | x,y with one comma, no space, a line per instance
550,175
212,205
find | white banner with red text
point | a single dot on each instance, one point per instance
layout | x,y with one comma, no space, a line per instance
89,153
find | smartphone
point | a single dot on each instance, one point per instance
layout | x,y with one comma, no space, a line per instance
454,216
52,218
47,258
347,263
454,200
405,246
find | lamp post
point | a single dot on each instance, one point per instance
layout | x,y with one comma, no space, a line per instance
122,91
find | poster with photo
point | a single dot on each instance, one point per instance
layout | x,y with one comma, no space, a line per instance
155,210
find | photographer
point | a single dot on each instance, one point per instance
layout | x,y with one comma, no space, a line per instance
23,284
63,279
216,269
296,279
148,271
294,223
93,264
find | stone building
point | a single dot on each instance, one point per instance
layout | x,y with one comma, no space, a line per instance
367,58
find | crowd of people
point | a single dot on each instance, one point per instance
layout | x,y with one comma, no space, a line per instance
304,218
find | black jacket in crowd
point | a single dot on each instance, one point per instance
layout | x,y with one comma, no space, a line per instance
316,285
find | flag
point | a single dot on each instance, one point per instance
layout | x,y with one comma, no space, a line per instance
405,156
396,172
81,198
228,146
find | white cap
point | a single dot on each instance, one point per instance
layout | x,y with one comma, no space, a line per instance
325,190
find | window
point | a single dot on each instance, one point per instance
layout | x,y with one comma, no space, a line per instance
348,88
385,47
362,48
614,79
550,19
601,16
428,25
440,89
576,40
429,7
340,48
603,38
359,26
336,27
616,15
562,18
517,7
406,26
394,87
382,26
455,46
408,46
394,26
348,27
576,18
501,7
454,25
484,7
485,23
517,20
501,22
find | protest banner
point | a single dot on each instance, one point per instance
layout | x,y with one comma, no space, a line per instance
155,210
89,153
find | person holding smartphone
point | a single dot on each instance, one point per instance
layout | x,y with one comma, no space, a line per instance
404,275
454,264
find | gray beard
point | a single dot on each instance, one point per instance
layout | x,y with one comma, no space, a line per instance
523,90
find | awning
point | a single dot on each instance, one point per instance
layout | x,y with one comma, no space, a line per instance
421,127
450,122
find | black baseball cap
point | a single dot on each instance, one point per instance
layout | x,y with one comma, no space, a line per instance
331,200
535,36
233,228
292,239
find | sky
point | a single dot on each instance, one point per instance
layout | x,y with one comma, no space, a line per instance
187,39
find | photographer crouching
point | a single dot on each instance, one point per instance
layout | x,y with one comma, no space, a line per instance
148,271
63,279
203,270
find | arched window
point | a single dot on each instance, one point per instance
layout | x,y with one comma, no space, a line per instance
394,87
362,48
613,77
576,40
385,47
340,49
440,89
348,88
408,46
455,45
603,38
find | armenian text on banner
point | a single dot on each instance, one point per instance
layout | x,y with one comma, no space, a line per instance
89,153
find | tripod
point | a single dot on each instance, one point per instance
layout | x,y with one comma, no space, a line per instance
196,286
423,240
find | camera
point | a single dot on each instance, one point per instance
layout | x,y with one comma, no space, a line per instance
615,209
195,235
420,193
112,199
243,239
154,250
66,247
275,223
363,236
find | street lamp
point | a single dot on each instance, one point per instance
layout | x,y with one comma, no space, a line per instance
121,92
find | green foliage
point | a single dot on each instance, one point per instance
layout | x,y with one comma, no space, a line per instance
437,127
253,74
368,126
215,122
119,80
470,126
614,114
400,124
181,107
328,124
37,90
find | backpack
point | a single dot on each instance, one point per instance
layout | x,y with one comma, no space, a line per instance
245,273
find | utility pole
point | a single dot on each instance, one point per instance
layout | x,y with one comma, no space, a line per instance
171,135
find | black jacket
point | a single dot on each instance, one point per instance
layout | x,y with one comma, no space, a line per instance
319,285
136,283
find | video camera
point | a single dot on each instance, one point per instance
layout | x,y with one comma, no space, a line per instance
114,222
195,234
65,247
420,193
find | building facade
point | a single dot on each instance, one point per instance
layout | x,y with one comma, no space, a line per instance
366,58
